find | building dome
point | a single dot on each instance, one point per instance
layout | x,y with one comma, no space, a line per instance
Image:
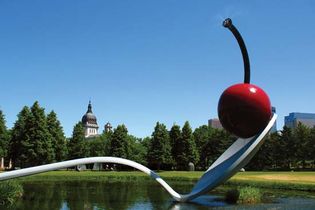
89,117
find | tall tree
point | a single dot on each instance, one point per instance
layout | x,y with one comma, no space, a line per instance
187,151
138,150
277,150
106,137
301,136
19,138
119,145
38,146
311,146
159,152
4,137
264,158
202,136
96,147
58,138
77,145
175,140
290,145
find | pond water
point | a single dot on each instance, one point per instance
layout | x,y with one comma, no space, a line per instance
80,195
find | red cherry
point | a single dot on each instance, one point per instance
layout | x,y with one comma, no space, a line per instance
244,109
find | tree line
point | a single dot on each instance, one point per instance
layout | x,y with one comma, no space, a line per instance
37,138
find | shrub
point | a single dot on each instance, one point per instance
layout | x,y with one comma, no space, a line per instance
245,195
250,195
10,191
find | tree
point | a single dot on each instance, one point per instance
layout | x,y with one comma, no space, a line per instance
19,137
290,146
138,150
159,152
96,147
301,136
4,137
263,159
106,137
187,151
58,138
202,136
311,146
77,145
38,146
119,145
175,139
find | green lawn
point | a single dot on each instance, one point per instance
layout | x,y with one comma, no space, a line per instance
274,180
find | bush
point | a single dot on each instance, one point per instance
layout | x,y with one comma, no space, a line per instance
250,195
245,195
10,191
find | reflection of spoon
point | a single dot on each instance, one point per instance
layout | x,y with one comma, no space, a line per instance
229,163
209,201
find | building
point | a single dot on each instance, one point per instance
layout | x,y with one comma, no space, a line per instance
108,127
89,122
307,119
215,123
274,127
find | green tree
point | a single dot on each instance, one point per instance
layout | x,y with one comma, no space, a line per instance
159,152
277,150
138,150
38,146
77,145
175,139
4,137
58,138
202,136
311,146
106,138
96,147
187,151
263,159
19,137
290,146
301,136
119,145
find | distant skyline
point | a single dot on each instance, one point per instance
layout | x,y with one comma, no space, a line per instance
146,61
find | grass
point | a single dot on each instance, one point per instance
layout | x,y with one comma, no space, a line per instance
111,176
304,181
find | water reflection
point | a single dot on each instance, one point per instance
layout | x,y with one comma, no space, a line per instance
79,195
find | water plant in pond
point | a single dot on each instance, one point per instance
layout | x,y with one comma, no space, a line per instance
10,191
244,195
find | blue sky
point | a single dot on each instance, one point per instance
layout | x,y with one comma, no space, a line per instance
146,61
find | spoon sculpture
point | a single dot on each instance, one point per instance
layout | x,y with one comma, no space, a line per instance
245,112
229,163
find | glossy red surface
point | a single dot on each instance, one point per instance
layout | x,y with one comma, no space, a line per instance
244,109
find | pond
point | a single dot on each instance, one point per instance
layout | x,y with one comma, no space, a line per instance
81,195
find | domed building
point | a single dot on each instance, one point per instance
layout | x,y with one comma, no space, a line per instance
89,122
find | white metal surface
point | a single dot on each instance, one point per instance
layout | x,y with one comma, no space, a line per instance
229,163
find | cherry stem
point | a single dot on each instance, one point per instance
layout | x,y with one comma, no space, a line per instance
227,23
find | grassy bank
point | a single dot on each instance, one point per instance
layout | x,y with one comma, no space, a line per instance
304,181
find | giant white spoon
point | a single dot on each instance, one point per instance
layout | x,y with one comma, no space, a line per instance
229,163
